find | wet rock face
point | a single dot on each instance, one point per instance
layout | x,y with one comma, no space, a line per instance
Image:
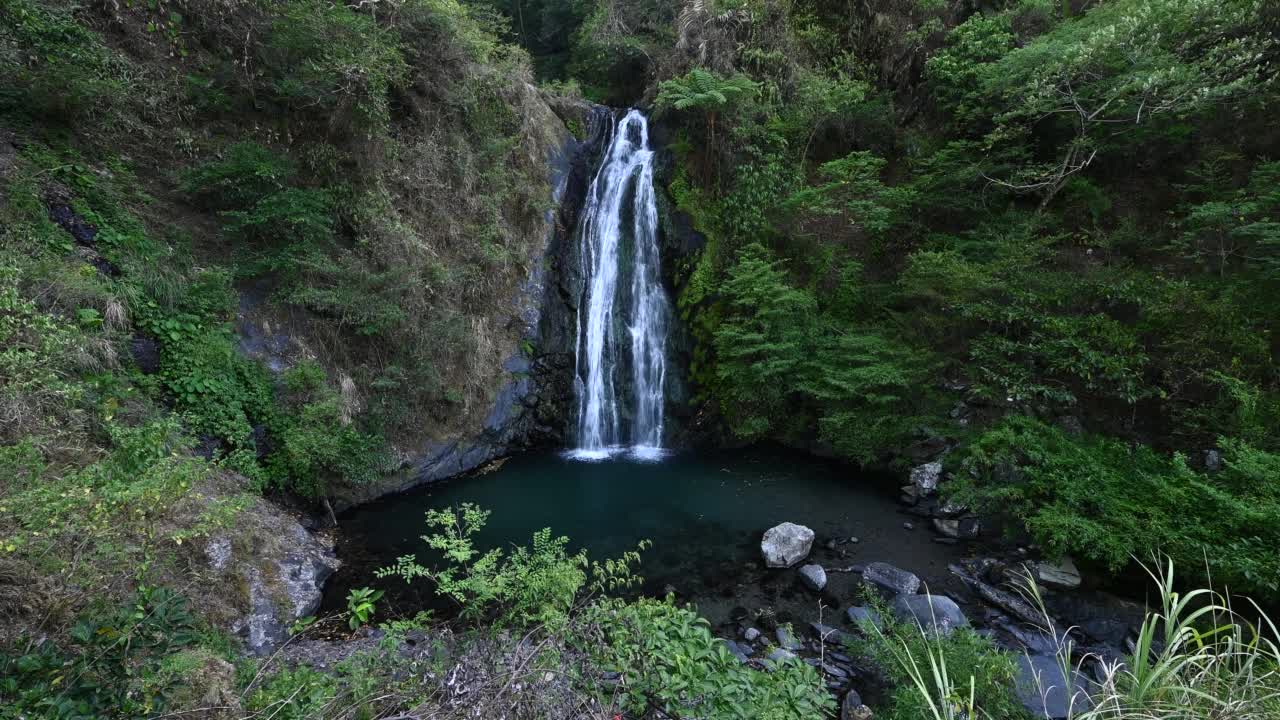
145,352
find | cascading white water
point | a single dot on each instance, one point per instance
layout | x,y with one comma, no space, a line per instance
624,314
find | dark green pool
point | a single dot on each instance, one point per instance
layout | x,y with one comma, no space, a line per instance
705,514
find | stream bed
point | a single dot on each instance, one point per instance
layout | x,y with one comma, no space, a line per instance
704,512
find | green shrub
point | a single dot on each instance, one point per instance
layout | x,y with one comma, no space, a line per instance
113,664
329,60
942,677
54,67
532,585
669,660
318,446
116,501
778,358
301,693
1111,503
245,174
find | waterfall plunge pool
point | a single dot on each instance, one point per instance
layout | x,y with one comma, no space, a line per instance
704,512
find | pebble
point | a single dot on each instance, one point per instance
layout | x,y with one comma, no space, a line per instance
908,526
854,540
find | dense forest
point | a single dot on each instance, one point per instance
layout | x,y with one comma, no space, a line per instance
256,255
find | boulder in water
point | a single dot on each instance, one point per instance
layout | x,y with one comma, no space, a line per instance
1061,575
933,612
787,639
781,655
964,528
863,618
785,545
813,577
890,580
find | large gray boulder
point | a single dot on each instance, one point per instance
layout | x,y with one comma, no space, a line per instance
785,545
1046,691
813,577
925,478
275,567
931,612
890,580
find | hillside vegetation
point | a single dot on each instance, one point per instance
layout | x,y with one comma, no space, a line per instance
1048,232
255,252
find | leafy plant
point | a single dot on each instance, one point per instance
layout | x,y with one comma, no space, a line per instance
941,676
1109,502
361,604
701,89
669,660
109,666
535,584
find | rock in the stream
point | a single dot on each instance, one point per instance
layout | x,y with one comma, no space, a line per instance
813,577
924,479
1046,691
930,612
781,655
1061,575
890,580
736,650
965,528
1006,601
787,639
851,707
829,635
750,634
785,545
863,618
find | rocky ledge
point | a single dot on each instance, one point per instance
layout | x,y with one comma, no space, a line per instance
266,572
985,599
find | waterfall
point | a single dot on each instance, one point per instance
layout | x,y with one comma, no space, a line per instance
624,313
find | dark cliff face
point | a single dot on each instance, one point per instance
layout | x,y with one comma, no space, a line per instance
679,243
556,334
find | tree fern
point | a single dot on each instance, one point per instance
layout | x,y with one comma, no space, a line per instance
705,90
